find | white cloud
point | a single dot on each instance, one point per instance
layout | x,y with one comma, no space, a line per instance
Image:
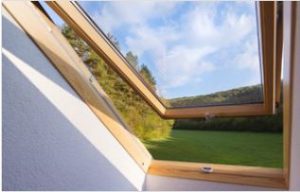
156,40
247,60
204,25
127,14
181,65
180,48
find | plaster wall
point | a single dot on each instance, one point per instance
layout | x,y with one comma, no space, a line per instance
51,139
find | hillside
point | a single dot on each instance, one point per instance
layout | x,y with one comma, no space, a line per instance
269,123
242,95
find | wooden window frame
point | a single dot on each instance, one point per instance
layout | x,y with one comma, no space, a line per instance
72,14
56,48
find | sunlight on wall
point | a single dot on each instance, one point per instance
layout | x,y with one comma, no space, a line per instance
50,90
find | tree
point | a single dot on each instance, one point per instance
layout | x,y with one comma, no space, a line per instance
133,60
113,40
148,77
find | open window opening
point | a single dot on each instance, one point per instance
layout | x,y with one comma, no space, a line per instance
206,140
116,88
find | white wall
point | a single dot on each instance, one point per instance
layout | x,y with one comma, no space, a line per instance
295,133
51,139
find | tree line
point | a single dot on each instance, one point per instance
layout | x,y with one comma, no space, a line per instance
241,95
268,123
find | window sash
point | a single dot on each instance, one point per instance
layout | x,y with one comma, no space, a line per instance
89,31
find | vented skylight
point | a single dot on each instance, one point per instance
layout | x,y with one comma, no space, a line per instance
191,49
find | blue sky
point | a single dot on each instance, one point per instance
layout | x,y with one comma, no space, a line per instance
191,48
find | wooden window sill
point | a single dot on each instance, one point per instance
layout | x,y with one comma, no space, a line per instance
245,175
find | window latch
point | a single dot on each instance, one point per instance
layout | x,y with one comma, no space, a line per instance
207,169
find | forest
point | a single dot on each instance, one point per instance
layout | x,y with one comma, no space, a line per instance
145,123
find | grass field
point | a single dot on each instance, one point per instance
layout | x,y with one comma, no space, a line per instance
222,147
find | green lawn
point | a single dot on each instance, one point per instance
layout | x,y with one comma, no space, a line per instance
222,147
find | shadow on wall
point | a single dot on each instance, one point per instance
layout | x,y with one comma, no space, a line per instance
42,148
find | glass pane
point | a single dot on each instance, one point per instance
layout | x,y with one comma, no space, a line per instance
190,53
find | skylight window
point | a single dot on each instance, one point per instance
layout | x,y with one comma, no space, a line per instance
195,51
51,42
195,136
189,59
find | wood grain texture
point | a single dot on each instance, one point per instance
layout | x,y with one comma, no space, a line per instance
221,111
267,15
63,57
257,176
